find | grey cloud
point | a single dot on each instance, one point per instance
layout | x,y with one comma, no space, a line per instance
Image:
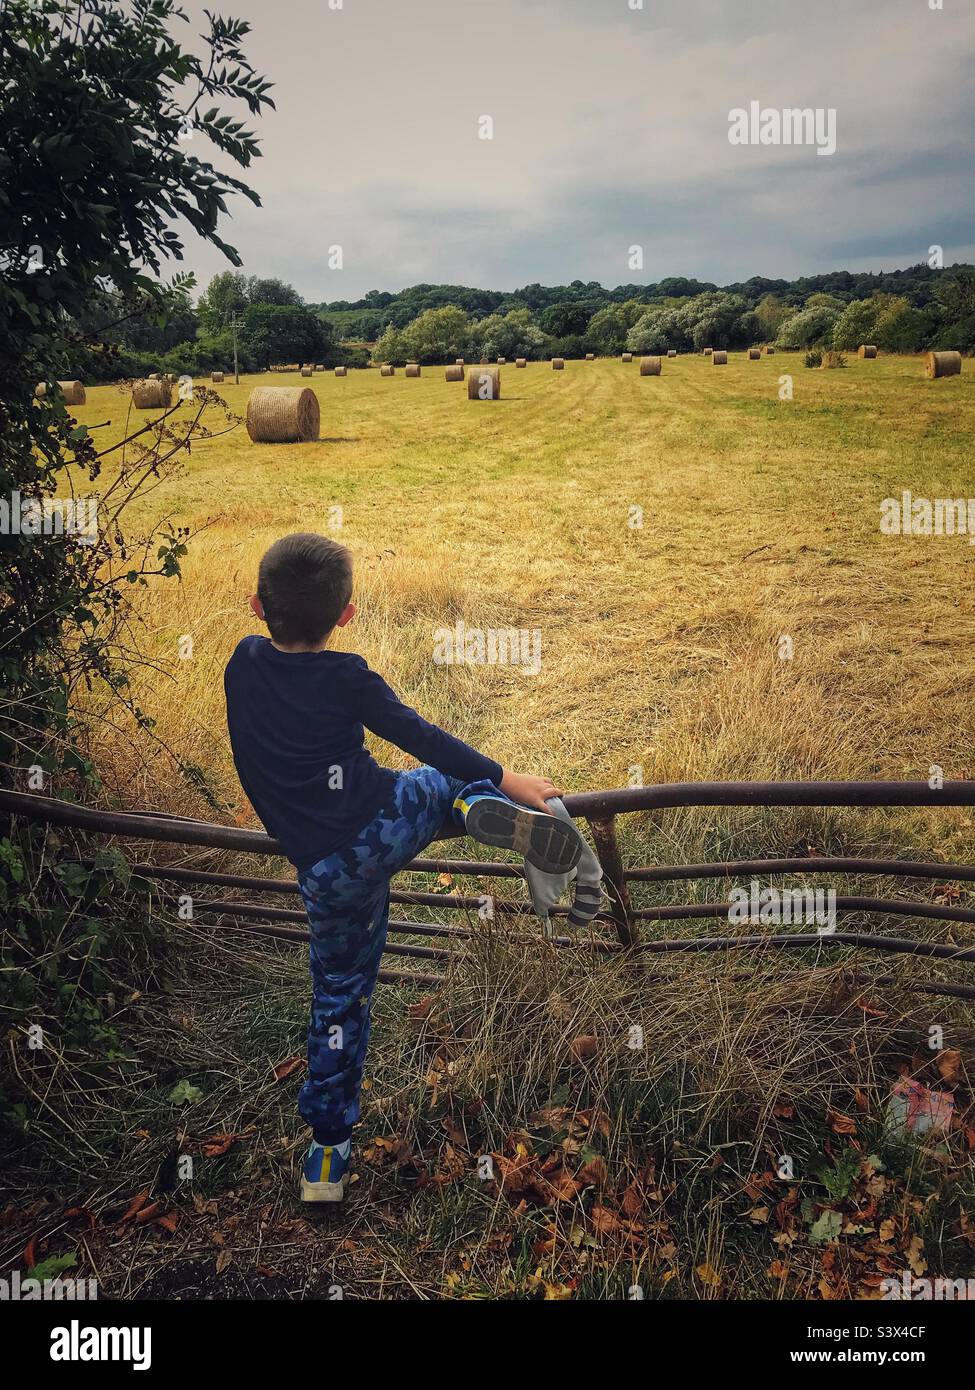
611,130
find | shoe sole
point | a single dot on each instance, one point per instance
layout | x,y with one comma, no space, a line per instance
548,843
323,1191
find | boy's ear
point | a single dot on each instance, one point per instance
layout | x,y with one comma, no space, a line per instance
257,607
346,616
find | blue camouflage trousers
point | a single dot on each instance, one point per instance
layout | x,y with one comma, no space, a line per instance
346,896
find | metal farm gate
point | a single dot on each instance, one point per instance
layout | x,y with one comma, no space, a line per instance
224,908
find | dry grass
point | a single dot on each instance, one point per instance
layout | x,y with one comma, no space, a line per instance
613,1159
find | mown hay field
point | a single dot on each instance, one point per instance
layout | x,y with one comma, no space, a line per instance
660,641
619,1159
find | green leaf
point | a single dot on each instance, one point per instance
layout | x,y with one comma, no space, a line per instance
52,1266
75,878
185,1094
839,1179
10,858
826,1228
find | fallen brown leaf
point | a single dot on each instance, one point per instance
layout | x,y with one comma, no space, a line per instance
949,1065
288,1067
134,1207
840,1123
217,1144
582,1049
595,1173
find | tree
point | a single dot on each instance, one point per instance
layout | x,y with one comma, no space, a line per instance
955,296
809,327
284,333
271,292
858,323
656,331
226,295
607,330
954,301
507,335
771,312
713,319
438,335
207,354
93,105
113,330
391,347
364,327
825,301
902,328
566,318
679,287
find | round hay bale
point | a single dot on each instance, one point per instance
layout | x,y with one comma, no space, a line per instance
754,354
306,371
387,370
867,351
671,352
282,415
216,376
627,357
590,357
521,362
412,369
719,357
454,373
649,366
153,376
770,352
341,371
149,394
558,364
72,391
502,361
708,352
484,384
458,361
938,364
319,366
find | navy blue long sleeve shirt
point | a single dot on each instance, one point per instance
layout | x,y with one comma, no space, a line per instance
296,728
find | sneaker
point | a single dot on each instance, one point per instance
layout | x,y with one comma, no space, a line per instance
325,1172
550,844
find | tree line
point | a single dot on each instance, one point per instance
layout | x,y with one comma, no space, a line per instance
901,311
269,319
712,318
563,311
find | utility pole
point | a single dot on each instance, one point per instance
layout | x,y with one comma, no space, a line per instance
234,325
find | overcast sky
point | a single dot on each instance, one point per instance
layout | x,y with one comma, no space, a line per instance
610,130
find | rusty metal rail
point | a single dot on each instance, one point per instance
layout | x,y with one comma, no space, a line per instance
600,809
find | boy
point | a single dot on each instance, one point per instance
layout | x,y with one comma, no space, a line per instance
296,713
